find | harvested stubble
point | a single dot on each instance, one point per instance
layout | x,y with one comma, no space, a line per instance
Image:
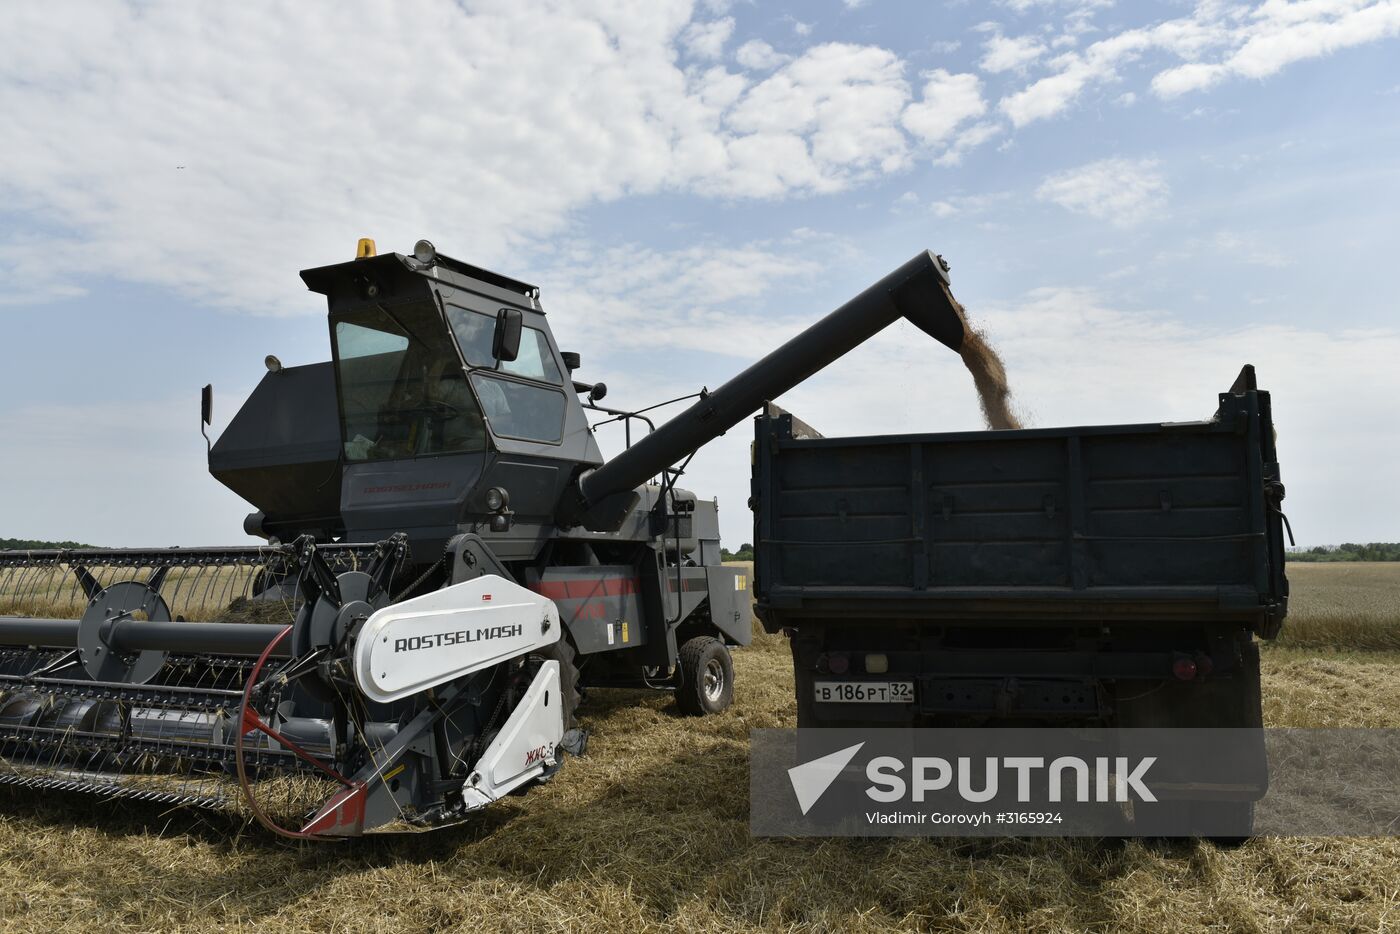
649,832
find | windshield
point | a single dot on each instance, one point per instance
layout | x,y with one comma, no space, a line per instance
514,409
474,331
402,389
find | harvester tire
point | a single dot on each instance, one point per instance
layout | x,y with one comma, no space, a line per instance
705,677
566,655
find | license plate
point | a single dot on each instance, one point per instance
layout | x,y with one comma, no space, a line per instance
866,692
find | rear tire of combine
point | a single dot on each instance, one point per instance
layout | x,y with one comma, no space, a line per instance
564,653
705,673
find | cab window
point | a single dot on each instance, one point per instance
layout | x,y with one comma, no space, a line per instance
475,331
520,410
535,360
402,392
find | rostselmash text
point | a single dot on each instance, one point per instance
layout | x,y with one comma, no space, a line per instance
1090,781
438,640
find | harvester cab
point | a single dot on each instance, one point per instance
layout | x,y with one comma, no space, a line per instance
448,561
447,404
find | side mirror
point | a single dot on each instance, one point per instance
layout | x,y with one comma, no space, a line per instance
506,343
206,405
598,391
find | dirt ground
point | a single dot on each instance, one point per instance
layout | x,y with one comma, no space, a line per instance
650,832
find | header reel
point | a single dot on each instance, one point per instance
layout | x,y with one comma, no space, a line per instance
262,706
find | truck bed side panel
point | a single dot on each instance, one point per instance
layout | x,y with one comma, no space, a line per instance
1130,519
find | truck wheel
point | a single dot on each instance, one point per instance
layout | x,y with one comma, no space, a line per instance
563,653
705,675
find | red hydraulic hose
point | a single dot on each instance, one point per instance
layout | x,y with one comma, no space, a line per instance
249,720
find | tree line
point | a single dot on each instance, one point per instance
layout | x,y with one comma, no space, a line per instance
26,544
1350,551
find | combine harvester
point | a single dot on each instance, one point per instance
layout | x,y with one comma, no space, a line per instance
448,559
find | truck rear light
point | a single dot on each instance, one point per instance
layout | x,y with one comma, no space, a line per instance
877,663
1184,668
839,663
1204,665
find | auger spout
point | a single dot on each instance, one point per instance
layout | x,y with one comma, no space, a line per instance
917,291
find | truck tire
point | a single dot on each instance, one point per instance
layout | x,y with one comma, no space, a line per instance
564,653
705,677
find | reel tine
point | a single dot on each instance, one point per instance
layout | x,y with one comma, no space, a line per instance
24,586
208,606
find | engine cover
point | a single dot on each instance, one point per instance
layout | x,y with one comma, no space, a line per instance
415,645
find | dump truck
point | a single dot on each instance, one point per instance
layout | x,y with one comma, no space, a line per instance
1114,575
445,561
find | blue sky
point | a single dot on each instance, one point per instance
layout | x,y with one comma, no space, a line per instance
1135,199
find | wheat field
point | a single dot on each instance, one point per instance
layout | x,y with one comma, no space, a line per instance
1346,605
649,832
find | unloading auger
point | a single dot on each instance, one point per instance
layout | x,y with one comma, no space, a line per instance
335,688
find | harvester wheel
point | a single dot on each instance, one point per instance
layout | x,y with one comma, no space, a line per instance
564,653
705,677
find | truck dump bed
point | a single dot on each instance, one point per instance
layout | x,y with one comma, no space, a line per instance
1102,522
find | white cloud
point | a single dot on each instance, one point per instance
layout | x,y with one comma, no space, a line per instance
1120,191
1214,42
706,40
967,140
483,131
958,204
759,55
1075,71
905,201
835,107
944,46
1008,54
948,101
1279,34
